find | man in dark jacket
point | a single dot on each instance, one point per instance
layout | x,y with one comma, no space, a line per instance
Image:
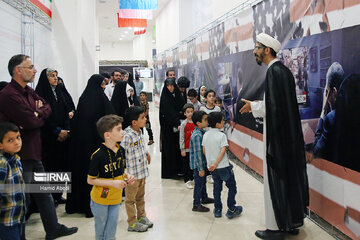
23,107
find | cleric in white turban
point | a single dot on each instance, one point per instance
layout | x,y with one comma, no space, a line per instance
286,193
268,41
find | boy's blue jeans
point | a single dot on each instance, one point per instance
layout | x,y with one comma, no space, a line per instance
226,175
106,219
10,232
199,188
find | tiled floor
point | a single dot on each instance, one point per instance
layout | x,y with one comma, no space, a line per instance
169,203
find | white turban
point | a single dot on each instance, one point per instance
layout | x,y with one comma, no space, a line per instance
268,41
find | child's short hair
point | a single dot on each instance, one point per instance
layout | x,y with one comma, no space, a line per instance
192,93
142,92
188,105
214,118
218,100
6,127
133,113
198,116
209,91
107,123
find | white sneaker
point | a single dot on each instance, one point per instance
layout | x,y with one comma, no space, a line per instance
189,185
209,179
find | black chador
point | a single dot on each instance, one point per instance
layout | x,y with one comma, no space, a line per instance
285,154
93,104
170,113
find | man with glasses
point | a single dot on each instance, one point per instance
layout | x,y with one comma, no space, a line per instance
115,78
285,179
22,106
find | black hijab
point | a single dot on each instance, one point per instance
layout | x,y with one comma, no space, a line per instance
170,105
3,84
44,89
347,122
131,83
68,99
119,99
93,104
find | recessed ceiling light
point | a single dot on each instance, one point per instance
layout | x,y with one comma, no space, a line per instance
126,32
153,40
129,28
120,39
122,36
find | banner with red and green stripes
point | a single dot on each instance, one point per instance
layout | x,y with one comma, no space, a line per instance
43,5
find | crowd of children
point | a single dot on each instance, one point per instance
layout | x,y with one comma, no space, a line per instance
203,148
116,167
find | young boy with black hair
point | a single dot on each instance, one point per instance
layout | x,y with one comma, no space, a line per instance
12,185
209,107
193,97
186,129
214,146
137,160
219,103
106,174
198,162
210,102
145,105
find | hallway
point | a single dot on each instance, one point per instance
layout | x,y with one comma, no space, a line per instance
169,203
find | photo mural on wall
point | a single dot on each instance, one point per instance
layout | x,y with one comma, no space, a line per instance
320,46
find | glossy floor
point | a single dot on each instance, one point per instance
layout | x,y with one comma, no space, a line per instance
169,203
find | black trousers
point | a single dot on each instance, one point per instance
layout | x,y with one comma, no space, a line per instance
188,173
43,201
148,128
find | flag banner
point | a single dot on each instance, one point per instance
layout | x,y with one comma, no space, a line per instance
139,4
139,31
43,5
318,42
130,22
137,14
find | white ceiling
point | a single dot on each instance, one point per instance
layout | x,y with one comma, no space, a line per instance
108,29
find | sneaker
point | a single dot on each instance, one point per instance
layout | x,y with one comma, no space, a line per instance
150,142
146,221
189,185
208,200
138,227
62,231
200,208
217,213
209,179
235,212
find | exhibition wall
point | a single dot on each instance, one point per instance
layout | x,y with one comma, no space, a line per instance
315,35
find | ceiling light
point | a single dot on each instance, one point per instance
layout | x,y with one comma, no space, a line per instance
122,36
120,39
129,27
126,32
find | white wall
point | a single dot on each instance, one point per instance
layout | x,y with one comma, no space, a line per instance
142,47
74,39
10,42
116,50
167,26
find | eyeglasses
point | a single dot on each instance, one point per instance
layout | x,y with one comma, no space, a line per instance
258,47
31,67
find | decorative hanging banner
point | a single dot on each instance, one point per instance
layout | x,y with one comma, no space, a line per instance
136,14
139,31
130,22
43,5
139,4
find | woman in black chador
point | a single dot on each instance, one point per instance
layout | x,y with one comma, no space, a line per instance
68,99
55,132
171,103
93,104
